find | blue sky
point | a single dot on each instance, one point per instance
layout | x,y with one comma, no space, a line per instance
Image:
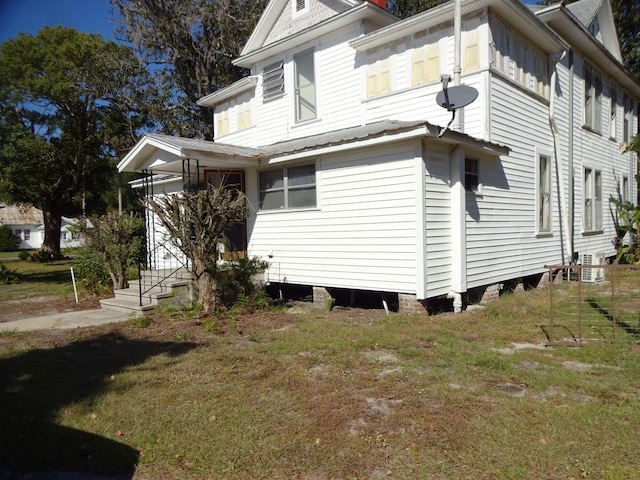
29,16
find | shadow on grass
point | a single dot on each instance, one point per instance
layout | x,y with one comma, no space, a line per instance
624,325
37,385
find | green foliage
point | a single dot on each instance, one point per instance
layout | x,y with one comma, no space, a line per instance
45,256
70,102
115,243
8,276
240,279
142,322
8,241
24,255
628,223
192,56
408,8
92,274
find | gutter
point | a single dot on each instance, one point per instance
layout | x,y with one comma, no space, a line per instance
565,215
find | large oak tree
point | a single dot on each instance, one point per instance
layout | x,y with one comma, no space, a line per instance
67,107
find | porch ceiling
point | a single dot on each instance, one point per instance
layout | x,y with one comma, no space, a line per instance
165,154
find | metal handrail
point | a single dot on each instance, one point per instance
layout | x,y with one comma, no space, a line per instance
153,255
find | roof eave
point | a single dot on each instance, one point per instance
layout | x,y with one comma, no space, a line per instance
514,10
242,85
561,19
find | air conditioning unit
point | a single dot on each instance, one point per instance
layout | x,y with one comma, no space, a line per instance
592,275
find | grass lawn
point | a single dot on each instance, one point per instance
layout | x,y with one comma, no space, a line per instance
314,395
51,278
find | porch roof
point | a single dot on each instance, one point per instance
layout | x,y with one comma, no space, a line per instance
163,154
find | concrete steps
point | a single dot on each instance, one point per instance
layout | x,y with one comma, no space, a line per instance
158,287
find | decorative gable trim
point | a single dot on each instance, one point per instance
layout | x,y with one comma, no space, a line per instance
363,11
268,19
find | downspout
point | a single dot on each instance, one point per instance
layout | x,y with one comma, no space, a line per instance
458,229
457,54
564,210
570,162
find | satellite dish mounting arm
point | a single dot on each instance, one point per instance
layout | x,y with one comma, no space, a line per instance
445,78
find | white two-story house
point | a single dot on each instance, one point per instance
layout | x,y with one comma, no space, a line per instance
359,180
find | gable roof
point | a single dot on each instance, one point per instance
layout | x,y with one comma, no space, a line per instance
257,48
585,10
165,153
573,23
598,13
279,11
20,214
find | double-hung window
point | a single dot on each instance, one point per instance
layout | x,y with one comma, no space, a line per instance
305,86
592,193
592,98
288,187
273,81
544,194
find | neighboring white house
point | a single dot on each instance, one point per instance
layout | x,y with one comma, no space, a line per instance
27,223
355,183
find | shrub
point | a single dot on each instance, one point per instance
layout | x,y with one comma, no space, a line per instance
7,275
8,241
24,255
44,256
92,273
240,281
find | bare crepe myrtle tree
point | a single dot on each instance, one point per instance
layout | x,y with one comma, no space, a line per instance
196,223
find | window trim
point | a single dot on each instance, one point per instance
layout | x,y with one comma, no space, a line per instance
540,205
297,87
469,174
286,188
592,113
613,111
591,190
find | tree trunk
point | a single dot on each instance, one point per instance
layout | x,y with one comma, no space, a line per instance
206,287
52,227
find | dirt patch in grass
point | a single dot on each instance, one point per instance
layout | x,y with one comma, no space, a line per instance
18,309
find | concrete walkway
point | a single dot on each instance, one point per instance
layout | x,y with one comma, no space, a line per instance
66,320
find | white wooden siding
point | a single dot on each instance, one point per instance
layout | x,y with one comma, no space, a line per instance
362,236
501,221
438,220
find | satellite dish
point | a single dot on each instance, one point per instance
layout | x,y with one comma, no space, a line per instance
454,98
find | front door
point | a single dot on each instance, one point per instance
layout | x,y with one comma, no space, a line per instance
235,241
